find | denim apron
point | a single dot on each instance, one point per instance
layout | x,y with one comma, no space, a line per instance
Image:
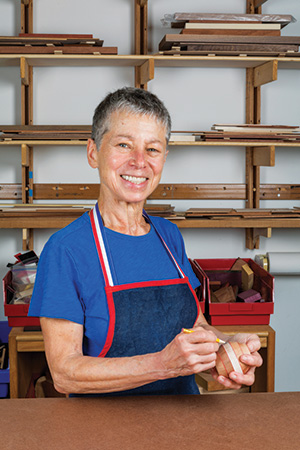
145,316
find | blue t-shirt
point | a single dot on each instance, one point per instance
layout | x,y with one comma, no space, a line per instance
70,284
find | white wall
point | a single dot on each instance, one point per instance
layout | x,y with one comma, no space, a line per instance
196,99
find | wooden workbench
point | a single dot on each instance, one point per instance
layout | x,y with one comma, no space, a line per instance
26,355
261,421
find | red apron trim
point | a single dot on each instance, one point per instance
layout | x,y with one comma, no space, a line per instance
111,306
111,324
142,284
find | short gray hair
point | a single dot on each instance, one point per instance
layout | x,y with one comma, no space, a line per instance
133,100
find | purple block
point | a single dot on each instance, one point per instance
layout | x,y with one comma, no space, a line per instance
249,296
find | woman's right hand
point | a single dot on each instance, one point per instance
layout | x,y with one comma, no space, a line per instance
190,353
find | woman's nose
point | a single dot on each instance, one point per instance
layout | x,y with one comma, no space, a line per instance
138,158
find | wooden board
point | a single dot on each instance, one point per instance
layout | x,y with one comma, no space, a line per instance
241,48
17,40
63,49
244,53
57,36
231,32
170,40
284,19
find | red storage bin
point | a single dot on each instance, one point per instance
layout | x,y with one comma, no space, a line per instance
238,313
201,277
16,314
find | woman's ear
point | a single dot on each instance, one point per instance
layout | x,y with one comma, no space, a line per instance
92,153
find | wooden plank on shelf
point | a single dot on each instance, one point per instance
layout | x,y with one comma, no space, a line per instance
184,39
56,36
22,41
240,48
256,128
56,50
232,26
284,19
230,32
223,53
46,128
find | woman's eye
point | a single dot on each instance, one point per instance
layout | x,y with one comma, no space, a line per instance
123,145
152,149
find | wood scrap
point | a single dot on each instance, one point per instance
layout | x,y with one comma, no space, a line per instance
247,277
183,17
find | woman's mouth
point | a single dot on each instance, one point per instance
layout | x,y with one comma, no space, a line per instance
134,180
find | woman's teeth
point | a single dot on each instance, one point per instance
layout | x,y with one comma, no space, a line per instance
135,180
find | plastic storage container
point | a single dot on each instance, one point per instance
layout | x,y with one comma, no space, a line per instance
16,314
237,313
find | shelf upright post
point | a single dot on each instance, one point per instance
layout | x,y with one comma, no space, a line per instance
26,16
253,116
26,75
141,37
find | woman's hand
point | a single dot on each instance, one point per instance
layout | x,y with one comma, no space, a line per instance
190,353
236,380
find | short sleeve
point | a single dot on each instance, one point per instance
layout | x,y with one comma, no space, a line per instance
56,291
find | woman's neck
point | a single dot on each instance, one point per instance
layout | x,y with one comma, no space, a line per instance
126,218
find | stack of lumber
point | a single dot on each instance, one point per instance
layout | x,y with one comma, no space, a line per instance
45,132
19,210
240,133
229,34
229,213
162,210
65,44
252,132
57,210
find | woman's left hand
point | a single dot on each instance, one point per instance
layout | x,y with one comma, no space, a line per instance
236,380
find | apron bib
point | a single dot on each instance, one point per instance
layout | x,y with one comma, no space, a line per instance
145,316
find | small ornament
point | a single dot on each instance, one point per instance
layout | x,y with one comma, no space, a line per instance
228,358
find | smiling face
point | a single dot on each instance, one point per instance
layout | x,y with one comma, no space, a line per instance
131,157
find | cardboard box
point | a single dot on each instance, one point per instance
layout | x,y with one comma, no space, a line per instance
16,314
202,292
237,313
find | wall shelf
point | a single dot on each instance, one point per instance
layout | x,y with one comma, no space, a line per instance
259,70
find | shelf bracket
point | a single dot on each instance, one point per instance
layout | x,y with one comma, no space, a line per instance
145,73
258,3
24,71
261,232
25,155
264,156
265,73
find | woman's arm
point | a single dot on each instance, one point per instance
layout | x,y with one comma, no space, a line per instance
73,372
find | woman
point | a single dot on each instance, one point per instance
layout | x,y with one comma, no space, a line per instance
114,288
